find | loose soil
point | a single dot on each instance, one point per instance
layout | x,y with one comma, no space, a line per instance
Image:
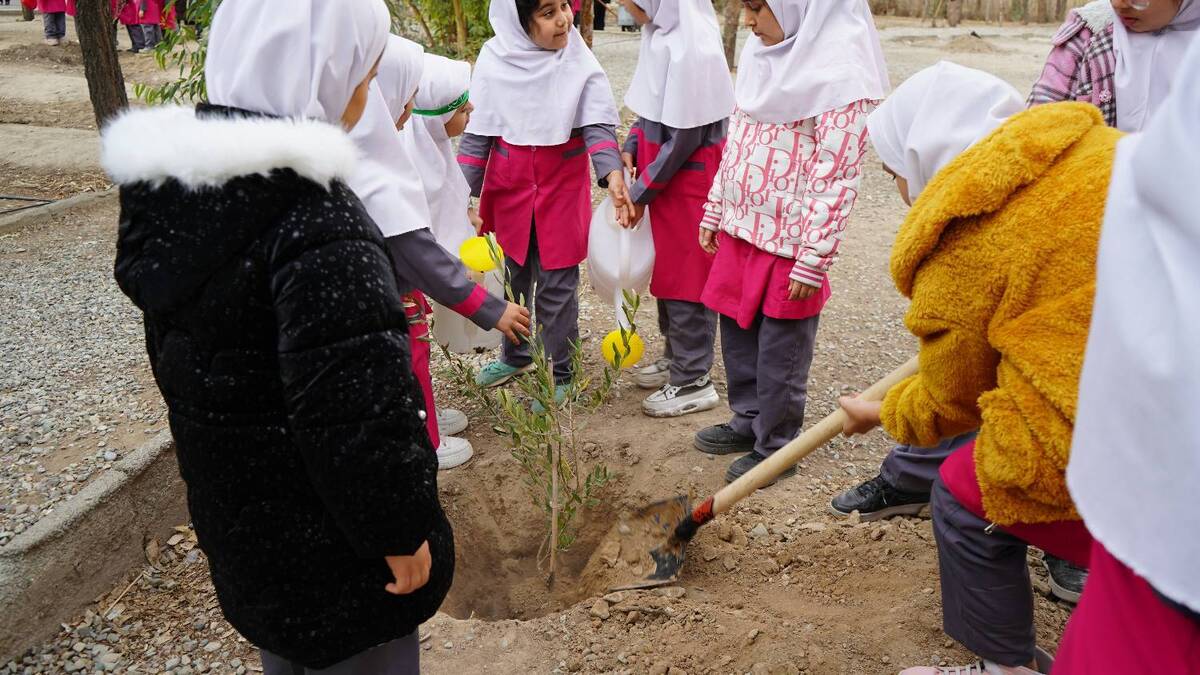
778,585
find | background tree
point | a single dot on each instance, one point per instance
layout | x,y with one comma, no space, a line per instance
98,44
733,19
587,14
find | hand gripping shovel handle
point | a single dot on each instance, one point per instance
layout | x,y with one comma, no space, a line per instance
804,445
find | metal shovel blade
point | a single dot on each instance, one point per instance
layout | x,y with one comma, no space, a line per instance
653,530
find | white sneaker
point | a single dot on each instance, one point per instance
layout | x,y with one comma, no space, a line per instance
654,376
451,421
672,401
453,452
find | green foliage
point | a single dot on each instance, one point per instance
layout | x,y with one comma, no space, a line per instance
180,50
439,14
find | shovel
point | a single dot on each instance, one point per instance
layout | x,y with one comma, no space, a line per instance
674,523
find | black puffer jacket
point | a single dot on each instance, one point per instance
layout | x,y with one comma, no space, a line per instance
279,342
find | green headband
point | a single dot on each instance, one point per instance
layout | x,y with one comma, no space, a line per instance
449,107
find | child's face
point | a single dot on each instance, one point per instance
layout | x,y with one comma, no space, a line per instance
358,100
757,15
901,184
1156,17
639,15
408,108
458,124
550,27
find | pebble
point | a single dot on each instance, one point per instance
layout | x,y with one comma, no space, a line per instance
110,456
759,531
214,645
600,610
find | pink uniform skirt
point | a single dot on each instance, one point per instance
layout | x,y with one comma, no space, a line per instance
746,281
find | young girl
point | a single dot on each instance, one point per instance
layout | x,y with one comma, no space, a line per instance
775,216
683,96
1002,319
389,183
276,334
54,19
543,105
1120,58
1134,458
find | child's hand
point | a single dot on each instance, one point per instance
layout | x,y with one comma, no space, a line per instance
476,221
708,241
618,190
411,571
627,160
636,212
514,322
799,291
861,416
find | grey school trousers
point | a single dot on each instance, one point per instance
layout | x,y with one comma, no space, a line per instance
911,469
54,25
398,657
690,332
767,368
556,308
987,598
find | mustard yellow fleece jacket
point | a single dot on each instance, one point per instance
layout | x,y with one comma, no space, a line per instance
998,255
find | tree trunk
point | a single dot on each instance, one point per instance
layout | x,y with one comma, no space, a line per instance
460,24
412,5
954,12
587,14
98,43
733,18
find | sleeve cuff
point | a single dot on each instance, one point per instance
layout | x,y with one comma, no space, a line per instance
808,275
489,311
711,221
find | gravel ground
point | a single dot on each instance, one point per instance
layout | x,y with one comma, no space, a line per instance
75,390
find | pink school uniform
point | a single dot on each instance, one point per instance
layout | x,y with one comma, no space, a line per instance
540,115
780,202
683,95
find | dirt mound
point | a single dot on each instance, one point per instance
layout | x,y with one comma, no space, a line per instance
65,55
971,44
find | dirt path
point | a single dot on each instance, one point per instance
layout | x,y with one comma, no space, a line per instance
779,586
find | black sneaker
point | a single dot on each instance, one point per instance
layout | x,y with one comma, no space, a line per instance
876,499
722,440
1066,580
743,465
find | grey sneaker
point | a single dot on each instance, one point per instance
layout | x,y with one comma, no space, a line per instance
1066,580
721,439
672,401
654,376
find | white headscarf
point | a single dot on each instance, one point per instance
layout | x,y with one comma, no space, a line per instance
532,96
934,116
388,180
1146,64
400,73
682,79
830,57
1135,460
302,61
446,190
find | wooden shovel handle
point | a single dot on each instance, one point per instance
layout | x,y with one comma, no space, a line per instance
816,436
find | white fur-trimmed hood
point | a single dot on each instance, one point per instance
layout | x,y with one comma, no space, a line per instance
156,144
1096,15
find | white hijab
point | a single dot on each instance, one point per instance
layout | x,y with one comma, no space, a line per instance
446,190
1146,64
531,96
304,62
830,57
1135,460
934,116
400,73
682,79
388,180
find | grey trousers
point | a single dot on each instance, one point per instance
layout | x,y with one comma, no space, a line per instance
911,469
144,36
987,599
690,331
556,308
54,25
767,368
398,657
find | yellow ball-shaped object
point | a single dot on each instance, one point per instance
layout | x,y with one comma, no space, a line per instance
476,254
629,355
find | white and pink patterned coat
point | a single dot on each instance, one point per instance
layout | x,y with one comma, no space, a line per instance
788,189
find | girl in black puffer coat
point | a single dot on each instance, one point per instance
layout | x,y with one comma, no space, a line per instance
277,336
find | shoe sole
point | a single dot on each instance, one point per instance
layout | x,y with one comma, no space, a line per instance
729,478
713,449
508,378
1061,592
914,510
650,385
451,460
698,405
